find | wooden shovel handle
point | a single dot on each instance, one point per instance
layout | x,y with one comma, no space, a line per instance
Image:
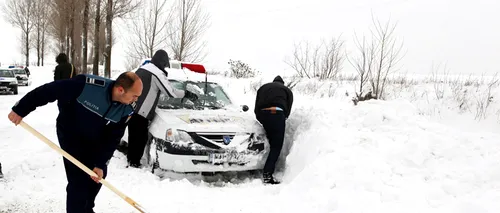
81,166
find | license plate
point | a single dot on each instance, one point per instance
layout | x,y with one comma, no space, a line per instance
230,157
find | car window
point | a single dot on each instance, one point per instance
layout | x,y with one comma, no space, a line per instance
7,73
213,98
18,71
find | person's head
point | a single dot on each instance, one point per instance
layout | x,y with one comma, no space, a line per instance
160,59
62,58
127,88
278,79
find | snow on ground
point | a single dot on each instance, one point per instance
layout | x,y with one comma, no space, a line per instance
380,156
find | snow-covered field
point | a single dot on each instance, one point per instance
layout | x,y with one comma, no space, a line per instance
415,153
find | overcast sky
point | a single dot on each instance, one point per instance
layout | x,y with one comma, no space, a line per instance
465,34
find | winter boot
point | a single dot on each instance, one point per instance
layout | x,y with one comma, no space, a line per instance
269,179
1,174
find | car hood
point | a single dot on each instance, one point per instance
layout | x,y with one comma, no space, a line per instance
206,121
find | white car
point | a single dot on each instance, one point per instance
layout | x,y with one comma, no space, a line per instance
8,81
21,76
211,134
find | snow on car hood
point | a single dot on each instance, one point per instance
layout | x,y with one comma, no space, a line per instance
205,121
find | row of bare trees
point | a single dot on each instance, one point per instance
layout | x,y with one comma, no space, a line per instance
83,29
179,27
375,57
64,26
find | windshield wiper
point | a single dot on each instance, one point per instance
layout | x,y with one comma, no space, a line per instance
168,107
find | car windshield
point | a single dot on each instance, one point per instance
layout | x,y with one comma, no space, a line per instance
7,73
19,71
213,98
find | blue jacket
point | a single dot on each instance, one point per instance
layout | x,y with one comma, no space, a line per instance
87,113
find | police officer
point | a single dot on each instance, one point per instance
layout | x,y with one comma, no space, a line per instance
93,115
154,77
272,107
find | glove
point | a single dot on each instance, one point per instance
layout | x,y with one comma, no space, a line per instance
191,96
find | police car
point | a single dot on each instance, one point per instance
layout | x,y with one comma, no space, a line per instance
8,81
211,134
21,75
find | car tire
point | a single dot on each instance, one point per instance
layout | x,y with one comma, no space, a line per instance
14,89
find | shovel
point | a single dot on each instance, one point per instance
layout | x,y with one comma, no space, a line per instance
83,167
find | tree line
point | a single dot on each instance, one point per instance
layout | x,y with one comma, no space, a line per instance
83,29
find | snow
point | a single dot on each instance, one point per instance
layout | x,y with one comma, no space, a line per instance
408,154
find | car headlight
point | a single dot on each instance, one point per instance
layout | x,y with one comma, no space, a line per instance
257,142
257,138
177,135
13,82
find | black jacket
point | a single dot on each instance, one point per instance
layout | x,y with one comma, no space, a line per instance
64,71
274,94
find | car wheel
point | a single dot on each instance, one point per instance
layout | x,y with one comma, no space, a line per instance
15,91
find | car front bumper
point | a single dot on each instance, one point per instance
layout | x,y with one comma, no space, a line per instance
23,82
181,159
7,88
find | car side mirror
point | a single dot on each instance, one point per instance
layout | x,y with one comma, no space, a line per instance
244,108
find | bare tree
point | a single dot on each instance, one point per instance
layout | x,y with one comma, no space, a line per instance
323,61
377,59
363,63
40,20
239,69
114,9
85,35
186,31
388,54
331,59
57,25
97,25
122,8
19,14
301,60
109,27
148,30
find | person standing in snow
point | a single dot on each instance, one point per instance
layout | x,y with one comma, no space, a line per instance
93,114
1,174
154,77
272,107
64,69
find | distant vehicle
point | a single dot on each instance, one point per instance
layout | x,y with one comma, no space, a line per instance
211,134
22,76
8,81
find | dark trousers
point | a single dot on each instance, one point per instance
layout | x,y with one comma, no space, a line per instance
137,138
274,125
81,189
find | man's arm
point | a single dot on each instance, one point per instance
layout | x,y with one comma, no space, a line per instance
165,87
110,142
62,90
